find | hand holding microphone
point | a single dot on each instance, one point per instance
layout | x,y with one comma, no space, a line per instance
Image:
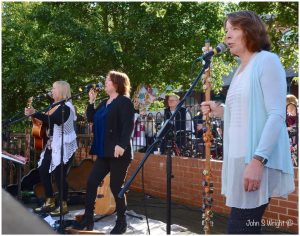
96,86
93,90
92,96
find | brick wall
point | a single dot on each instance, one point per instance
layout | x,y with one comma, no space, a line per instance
187,188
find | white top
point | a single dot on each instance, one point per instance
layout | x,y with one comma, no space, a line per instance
70,142
237,102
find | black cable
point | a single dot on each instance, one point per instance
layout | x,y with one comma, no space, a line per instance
145,201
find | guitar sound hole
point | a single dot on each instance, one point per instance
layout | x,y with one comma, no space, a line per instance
100,195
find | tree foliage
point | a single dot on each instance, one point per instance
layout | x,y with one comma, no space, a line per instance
153,42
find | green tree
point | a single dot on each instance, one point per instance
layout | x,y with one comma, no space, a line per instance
281,19
153,42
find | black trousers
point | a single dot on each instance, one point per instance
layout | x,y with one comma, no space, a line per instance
118,170
45,176
246,221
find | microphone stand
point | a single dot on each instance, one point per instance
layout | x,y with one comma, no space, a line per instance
170,144
161,134
61,226
6,122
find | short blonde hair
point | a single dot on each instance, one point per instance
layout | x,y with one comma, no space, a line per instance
64,89
290,98
173,95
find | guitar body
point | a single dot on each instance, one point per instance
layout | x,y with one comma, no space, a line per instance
105,203
39,134
78,175
39,144
38,130
77,178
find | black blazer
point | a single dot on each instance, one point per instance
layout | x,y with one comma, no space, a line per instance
119,125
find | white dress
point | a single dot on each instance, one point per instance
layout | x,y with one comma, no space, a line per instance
237,102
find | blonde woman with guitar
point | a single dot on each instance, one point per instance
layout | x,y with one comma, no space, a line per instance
51,155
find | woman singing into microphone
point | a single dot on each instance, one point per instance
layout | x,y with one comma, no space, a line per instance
51,154
113,121
257,163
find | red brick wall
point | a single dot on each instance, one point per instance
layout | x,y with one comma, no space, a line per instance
187,188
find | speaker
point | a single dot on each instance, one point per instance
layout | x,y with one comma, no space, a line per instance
16,219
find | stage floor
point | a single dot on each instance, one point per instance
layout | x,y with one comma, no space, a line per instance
184,219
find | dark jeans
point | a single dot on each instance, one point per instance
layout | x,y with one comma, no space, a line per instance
118,169
46,176
246,221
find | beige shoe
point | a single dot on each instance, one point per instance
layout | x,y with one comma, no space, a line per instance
56,212
48,206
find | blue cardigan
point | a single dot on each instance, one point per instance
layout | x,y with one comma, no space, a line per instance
267,131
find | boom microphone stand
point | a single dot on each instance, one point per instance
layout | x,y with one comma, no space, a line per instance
170,144
61,226
161,134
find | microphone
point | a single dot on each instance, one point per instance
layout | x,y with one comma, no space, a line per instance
95,86
44,95
219,49
49,94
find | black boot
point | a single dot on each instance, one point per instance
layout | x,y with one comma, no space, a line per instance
86,223
121,225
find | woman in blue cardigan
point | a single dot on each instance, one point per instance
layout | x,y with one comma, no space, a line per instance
257,160
112,126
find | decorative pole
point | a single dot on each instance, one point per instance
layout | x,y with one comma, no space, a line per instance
207,184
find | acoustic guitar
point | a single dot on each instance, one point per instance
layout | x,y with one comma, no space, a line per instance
38,130
105,203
